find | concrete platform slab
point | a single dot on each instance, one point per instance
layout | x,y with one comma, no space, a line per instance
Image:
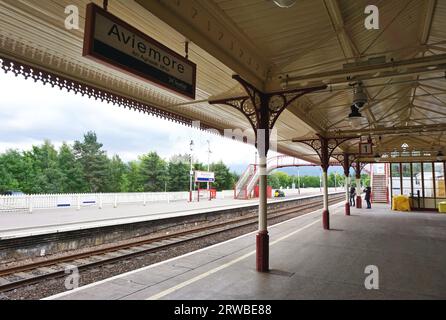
306,262
15,224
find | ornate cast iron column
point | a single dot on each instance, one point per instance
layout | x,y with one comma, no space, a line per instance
358,168
262,111
324,147
346,160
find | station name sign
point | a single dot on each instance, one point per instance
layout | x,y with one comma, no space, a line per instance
204,176
114,42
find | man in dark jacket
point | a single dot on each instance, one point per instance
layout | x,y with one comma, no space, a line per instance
352,196
368,192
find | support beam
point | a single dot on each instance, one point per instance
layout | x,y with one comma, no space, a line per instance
345,41
395,130
346,166
325,213
346,160
394,69
358,185
428,18
262,238
325,157
262,109
202,24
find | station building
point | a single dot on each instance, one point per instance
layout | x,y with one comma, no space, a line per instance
334,81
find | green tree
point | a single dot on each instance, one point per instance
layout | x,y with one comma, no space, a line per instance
224,179
178,172
116,175
284,179
73,175
132,178
310,181
47,176
12,173
365,180
273,181
94,162
339,179
153,172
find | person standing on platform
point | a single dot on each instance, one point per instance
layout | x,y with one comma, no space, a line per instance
352,196
368,192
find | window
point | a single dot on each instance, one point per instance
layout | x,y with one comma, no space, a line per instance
428,180
439,180
407,179
396,183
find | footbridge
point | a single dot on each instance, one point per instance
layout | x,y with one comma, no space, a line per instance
244,187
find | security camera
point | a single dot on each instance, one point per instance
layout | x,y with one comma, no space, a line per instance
359,97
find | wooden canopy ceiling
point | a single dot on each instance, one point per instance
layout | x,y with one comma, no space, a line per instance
401,65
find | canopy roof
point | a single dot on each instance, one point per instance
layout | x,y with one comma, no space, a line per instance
401,65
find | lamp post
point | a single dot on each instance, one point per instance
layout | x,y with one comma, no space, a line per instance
298,179
320,180
209,157
191,172
335,179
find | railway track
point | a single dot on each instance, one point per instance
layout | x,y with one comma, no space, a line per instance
18,276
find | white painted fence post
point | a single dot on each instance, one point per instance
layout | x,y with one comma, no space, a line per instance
78,206
30,203
144,199
115,204
168,198
100,201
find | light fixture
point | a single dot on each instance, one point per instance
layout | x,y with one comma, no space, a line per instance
359,97
285,3
355,117
440,156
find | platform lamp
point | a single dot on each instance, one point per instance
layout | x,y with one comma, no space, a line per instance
191,172
440,156
355,117
285,3
359,100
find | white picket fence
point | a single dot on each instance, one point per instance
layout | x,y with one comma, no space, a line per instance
79,200
30,203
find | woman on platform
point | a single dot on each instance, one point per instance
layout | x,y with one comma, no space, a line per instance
368,192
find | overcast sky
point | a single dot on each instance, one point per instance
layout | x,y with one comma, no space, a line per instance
31,112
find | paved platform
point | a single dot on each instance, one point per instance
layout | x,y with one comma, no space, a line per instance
13,225
306,263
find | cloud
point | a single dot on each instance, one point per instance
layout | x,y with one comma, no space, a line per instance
31,113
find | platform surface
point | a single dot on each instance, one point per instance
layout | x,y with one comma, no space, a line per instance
306,262
22,224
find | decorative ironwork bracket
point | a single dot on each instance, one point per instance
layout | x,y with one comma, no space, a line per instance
324,147
260,108
358,166
346,160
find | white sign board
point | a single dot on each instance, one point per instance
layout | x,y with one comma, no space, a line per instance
204,176
365,148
